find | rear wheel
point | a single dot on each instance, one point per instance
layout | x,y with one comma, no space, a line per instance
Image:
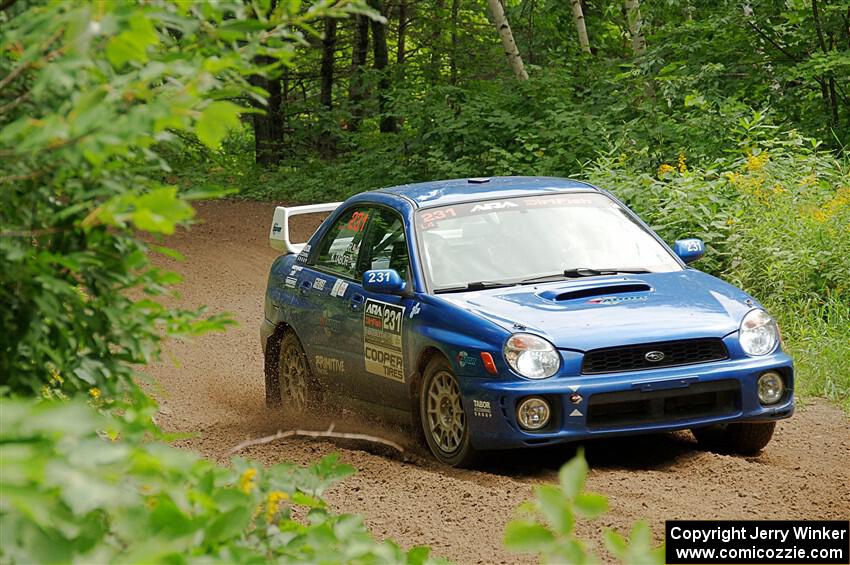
294,375
444,421
747,438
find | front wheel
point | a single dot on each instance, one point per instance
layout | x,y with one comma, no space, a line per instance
444,421
747,438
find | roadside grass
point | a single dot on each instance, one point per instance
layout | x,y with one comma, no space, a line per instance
818,338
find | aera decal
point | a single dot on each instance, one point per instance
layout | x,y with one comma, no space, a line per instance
319,284
488,206
616,299
382,343
327,365
464,359
481,408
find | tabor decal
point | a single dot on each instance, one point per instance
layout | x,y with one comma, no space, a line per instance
382,346
481,408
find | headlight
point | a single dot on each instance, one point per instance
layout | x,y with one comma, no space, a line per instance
759,333
531,356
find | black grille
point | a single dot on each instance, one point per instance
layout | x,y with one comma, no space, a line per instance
634,357
634,407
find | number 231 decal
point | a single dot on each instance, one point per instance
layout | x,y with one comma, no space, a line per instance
379,276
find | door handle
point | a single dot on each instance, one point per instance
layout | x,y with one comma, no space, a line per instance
357,301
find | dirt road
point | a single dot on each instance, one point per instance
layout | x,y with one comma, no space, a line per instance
216,390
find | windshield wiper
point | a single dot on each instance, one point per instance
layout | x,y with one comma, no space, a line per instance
477,285
587,272
580,272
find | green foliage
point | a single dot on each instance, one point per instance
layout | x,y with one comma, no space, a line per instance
94,492
547,525
93,94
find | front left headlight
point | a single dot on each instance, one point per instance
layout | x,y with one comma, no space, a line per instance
532,356
759,333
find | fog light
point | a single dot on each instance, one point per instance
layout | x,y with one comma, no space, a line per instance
771,388
533,413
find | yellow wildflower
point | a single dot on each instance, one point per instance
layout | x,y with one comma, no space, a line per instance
55,378
680,163
246,481
273,503
94,392
757,162
664,168
46,392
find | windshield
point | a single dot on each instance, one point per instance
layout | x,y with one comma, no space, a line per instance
516,240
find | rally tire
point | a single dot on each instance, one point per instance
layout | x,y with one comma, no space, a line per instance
746,438
444,422
294,378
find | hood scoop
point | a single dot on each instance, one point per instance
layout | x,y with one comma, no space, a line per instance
588,291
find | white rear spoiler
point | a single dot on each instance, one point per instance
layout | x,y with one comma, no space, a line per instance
279,233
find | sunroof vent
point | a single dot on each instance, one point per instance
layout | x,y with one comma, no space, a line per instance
478,180
605,290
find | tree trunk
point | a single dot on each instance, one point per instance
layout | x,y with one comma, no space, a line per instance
635,27
268,127
436,63
359,51
827,81
453,51
578,18
402,33
327,71
504,29
379,40
327,141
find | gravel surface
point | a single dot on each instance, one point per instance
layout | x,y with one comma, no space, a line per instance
214,386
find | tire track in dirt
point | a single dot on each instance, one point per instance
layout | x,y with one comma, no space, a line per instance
216,389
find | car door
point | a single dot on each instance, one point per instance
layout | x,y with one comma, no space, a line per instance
326,287
379,375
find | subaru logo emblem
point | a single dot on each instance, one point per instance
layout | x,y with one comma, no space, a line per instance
654,356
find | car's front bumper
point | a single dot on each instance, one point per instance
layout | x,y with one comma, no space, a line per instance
589,406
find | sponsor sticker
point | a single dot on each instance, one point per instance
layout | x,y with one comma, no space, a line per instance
382,346
464,359
326,365
319,283
415,310
339,288
290,282
616,299
481,408
302,257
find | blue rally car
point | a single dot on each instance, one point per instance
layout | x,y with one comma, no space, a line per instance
515,312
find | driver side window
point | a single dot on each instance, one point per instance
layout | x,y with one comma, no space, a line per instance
387,244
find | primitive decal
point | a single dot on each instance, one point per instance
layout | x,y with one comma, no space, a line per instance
327,365
382,347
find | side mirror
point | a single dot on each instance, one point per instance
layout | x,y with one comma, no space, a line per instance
383,281
689,250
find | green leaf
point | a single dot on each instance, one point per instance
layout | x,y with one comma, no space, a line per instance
555,507
215,121
528,537
615,543
591,504
573,474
